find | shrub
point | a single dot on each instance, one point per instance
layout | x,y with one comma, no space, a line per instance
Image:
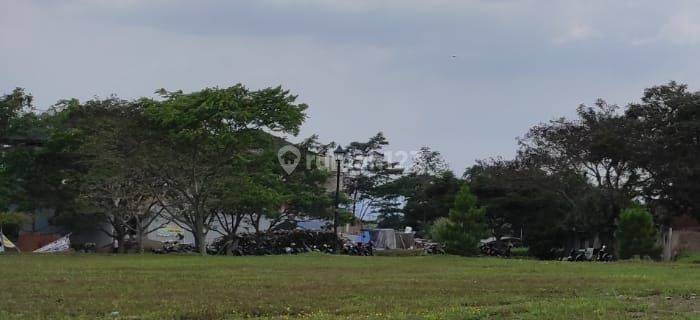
464,227
636,233
13,218
545,244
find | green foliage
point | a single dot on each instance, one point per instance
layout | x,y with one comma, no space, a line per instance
464,227
204,153
13,218
369,171
15,114
429,162
33,166
546,207
424,199
636,233
211,153
666,144
199,139
259,187
593,146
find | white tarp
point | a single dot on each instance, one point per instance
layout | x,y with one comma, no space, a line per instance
383,238
60,245
6,243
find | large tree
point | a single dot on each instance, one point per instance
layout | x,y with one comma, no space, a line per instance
420,196
666,146
199,136
34,167
595,145
115,184
545,208
369,169
268,193
462,229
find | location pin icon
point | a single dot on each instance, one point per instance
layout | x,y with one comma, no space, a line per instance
289,157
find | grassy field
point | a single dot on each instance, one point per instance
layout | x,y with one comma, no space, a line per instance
332,287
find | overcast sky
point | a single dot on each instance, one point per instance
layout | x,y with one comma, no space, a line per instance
363,65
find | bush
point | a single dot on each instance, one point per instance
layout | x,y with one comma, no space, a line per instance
636,233
689,257
464,227
520,252
546,244
13,218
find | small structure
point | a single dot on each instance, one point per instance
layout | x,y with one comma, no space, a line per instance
383,238
683,235
390,239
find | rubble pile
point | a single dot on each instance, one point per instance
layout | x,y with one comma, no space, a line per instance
277,242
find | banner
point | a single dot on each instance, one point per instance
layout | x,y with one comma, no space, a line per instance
60,245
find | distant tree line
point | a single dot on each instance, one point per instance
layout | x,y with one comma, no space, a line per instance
210,157
571,177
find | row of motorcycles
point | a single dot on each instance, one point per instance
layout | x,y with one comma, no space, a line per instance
590,254
358,249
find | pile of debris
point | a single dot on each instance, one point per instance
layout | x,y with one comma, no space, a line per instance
277,242
429,247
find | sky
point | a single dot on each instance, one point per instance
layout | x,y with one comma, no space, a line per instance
463,77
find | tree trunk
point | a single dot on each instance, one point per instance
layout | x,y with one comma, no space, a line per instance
256,222
139,234
199,236
122,244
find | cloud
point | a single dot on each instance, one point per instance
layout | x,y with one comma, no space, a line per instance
415,5
576,32
682,28
363,66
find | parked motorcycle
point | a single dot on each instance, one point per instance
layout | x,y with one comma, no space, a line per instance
496,249
603,255
433,248
590,254
358,249
575,255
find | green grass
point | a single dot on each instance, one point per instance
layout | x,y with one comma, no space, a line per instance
332,287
